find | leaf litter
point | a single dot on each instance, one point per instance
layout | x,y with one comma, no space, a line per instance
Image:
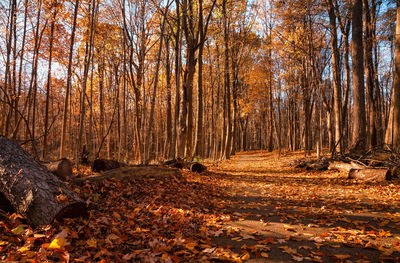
251,207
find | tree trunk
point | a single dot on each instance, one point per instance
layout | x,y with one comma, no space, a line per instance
359,123
87,61
228,134
337,89
369,75
153,99
33,191
48,87
393,129
68,88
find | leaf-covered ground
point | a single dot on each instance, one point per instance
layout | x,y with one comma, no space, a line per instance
253,208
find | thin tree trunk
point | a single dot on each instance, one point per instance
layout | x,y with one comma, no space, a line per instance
67,90
153,99
48,87
87,61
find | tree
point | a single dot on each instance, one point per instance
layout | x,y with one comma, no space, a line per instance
68,88
359,128
392,136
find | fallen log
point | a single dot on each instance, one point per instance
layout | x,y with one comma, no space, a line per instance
32,190
126,173
197,167
61,168
104,165
312,164
177,163
370,174
344,167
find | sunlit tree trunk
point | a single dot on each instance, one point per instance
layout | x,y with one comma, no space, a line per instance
392,137
67,90
48,86
359,125
178,44
369,75
153,99
87,61
227,86
337,88
168,145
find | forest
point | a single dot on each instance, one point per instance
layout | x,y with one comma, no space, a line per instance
200,131
146,80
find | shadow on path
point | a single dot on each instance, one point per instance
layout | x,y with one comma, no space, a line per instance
281,214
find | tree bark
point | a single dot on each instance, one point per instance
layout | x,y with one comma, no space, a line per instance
337,88
370,174
393,129
33,191
359,126
48,86
68,88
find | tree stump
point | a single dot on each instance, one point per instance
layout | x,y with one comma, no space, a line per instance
197,167
32,190
61,168
104,165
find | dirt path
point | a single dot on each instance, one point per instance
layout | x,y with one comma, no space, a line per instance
282,214
252,208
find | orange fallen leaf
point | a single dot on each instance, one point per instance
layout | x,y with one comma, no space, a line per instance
342,257
246,256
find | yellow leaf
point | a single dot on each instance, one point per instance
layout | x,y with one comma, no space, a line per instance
264,255
23,249
246,256
57,243
18,230
92,242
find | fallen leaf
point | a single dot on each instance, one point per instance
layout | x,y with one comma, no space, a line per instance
18,230
288,250
58,243
246,256
92,243
298,259
342,257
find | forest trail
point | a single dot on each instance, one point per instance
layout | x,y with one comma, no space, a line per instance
254,207
283,214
